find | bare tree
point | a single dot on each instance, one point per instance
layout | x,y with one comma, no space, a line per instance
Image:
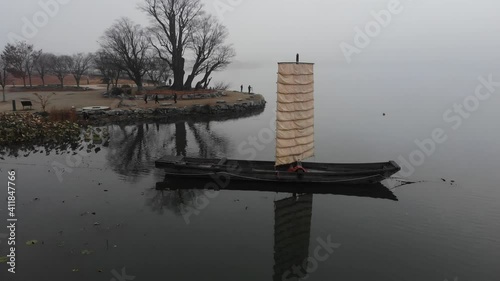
19,59
3,77
221,86
43,64
219,61
44,99
173,22
207,38
61,67
80,66
108,67
128,43
30,64
158,70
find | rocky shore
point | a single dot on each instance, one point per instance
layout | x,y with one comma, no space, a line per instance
167,113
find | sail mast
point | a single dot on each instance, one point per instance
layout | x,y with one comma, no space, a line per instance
295,112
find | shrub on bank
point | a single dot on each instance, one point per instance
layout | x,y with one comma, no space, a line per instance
58,115
117,91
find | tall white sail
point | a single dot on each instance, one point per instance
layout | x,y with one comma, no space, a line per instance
295,113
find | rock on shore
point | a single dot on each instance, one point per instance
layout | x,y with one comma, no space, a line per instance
163,113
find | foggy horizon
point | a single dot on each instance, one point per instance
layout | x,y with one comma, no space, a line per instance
263,32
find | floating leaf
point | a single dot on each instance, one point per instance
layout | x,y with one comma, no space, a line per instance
32,242
86,252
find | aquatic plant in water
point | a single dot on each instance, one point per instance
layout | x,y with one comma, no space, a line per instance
24,129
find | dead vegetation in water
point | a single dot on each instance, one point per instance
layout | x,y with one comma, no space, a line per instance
19,129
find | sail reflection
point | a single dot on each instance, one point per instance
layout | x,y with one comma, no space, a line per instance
292,215
292,228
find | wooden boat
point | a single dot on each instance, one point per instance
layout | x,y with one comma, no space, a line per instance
294,143
266,171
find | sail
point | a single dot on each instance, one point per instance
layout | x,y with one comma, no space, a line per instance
295,113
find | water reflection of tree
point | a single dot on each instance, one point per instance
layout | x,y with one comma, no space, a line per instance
173,200
180,138
209,143
133,149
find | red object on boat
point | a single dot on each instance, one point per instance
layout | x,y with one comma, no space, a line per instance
296,169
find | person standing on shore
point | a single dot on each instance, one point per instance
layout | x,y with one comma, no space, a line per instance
175,97
241,88
249,89
146,98
156,100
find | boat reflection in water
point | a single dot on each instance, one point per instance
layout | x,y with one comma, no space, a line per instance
376,190
292,215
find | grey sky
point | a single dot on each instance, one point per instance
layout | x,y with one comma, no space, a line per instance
264,30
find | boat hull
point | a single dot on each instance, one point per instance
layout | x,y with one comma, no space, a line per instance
265,171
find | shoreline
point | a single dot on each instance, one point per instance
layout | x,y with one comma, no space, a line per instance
218,107
197,113
96,96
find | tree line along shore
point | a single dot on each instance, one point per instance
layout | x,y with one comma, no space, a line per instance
180,49
176,53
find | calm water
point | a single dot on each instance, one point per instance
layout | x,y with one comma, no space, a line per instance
445,227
